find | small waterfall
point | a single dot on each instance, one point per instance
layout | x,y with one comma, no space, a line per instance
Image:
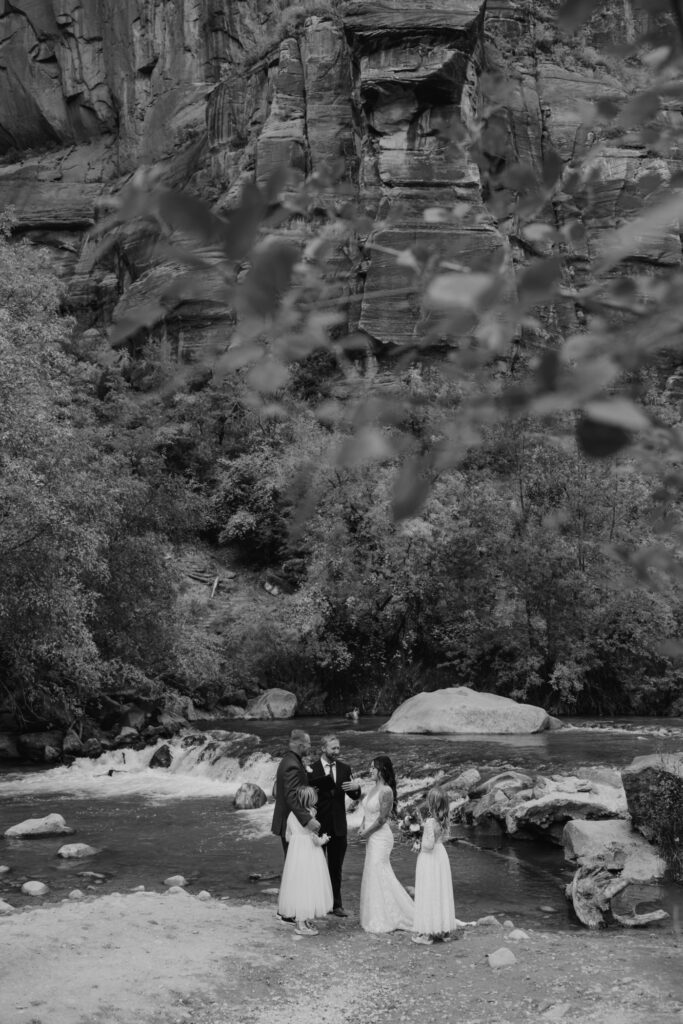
209,764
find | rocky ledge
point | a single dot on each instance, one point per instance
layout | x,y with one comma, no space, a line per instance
216,94
617,829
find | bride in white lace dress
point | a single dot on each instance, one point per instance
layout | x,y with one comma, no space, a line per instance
385,906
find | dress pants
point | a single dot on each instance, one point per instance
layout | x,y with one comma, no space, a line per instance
335,851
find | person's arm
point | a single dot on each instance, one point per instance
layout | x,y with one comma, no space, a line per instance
351,787
292,784
428,840
386,805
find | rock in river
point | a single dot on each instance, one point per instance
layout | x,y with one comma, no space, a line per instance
75,850
275,703
613,845
34,889
36,828
249,795
162,757
654,791
462,710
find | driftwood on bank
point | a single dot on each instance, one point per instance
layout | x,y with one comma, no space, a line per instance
591,892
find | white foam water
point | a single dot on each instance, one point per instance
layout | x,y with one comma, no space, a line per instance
640,730
210,764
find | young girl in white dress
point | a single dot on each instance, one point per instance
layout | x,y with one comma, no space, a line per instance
305,888
434,903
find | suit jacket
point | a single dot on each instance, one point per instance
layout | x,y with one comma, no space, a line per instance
291,774
331,797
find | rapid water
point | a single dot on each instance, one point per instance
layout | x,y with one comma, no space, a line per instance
151,823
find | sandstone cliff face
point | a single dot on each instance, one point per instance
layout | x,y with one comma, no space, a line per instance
219,92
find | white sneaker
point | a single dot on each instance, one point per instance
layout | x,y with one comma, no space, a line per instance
422,940
304,929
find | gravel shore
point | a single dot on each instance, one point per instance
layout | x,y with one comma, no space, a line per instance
153,958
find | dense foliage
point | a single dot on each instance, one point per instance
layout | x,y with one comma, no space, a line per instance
507,580
455,515
87,513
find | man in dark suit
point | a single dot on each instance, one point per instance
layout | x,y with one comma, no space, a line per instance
333,780
291,776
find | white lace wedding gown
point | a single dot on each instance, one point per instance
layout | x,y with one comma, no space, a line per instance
385,906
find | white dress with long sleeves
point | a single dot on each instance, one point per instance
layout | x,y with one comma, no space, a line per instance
385,906
305,888
434,903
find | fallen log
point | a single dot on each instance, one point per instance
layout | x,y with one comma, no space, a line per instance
634,920
591,892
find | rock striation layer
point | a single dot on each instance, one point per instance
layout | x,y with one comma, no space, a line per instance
217,93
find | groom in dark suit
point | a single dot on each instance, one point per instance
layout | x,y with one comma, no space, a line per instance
333,780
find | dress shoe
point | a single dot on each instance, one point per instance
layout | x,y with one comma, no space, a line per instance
339,912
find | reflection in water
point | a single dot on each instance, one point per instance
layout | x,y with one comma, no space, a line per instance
151,823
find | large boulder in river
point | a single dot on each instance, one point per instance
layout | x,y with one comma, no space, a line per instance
462,710
275,703
612,845
248,796
36,828
654,791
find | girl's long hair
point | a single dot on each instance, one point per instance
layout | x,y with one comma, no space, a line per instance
386,770
438,807
308,796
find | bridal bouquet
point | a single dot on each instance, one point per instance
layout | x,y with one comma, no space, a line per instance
411,827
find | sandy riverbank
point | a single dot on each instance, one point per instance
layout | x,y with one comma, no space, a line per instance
148,958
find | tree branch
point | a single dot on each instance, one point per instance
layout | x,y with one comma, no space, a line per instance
23,543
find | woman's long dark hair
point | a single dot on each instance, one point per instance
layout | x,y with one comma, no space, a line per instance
386,770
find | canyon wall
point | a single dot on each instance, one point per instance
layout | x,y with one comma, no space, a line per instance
219,92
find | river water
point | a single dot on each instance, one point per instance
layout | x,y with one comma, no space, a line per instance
148,824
